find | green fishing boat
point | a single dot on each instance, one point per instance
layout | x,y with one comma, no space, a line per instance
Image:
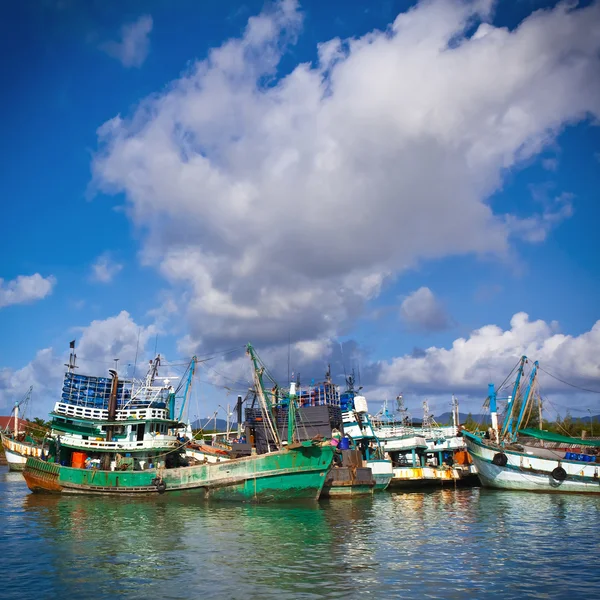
113,436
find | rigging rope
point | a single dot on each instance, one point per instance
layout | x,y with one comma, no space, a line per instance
569,384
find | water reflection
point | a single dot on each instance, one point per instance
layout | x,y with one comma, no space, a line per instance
442,544
135,546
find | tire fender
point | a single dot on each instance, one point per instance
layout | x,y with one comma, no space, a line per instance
500,459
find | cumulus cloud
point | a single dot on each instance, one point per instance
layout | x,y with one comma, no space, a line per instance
25,288
98,344
489,354
278,207
421,310
105,269
43,372
115,337
134,45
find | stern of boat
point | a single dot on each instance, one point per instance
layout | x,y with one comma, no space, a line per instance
383,472
42,476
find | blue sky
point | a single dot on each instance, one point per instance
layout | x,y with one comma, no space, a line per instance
434,173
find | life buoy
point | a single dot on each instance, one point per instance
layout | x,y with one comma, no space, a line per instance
500,459
559,474
161,487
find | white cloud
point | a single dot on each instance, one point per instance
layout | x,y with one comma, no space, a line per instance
536,228
43,372
98,344
134,46
115,337
421,310
489,354
105,269
550,164
25,288
278,207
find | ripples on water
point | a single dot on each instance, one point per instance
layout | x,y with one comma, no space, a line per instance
443,544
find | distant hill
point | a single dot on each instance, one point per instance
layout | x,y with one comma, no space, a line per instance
595,418
485,419
446,418
209,423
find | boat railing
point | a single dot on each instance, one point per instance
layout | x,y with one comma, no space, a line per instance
117,445
100,414
395,431
24,448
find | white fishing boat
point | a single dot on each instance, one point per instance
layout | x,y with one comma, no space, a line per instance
512,458
202,452
358,427
426,456
17,444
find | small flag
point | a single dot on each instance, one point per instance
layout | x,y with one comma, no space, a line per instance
72,344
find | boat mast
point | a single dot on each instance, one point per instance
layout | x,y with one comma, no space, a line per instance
152,371
18,404
405,417
265,403
507,426
16,425
112,403
238,410
291,415
526,399
188,385
72,364
427,416
493,409
455,415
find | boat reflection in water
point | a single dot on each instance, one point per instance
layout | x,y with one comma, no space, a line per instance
438,544
146,546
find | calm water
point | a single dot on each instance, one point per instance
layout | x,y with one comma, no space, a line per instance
444,544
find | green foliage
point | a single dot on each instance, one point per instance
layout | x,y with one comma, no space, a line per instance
573,427
37,428
470,424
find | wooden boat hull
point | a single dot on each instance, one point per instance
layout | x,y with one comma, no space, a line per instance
432,477
17,452
347,491
289,474
15,462
525,471
382,473
344,482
